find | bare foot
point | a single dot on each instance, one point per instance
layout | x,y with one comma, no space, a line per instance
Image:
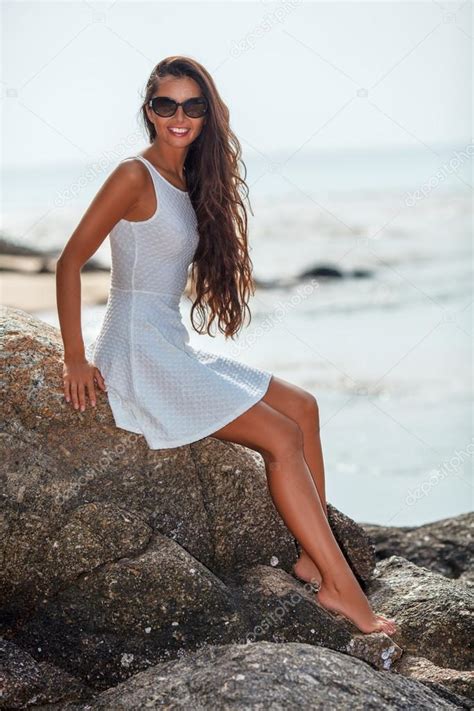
354,605
306,570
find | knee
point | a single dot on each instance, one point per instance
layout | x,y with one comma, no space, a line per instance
309,410
288,440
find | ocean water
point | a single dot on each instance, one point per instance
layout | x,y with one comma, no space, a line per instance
387,356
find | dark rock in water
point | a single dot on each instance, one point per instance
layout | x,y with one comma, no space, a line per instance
265,283
267,676
14,248
42,264
18,257
323,272
46,257
445,546
361,273
330,272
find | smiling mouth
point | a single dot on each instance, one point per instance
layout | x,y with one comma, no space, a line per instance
179,131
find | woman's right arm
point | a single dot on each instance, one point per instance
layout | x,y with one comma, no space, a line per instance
119,193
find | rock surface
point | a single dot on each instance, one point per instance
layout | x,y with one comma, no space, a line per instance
117,559
25,682
445,546
458,682
116,556
436,614
267,676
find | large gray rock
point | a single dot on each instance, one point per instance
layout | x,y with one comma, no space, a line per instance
24,682
354,542
268,676
438,678
210,497
115,556
435,614
445,546
123,615
286,612
117,559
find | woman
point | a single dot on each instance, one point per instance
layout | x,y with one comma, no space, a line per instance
174,206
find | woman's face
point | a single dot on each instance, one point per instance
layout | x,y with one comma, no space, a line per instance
179,90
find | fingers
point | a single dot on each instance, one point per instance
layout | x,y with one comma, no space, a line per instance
91,392
82,396
78,396
74,394
100,380
75,390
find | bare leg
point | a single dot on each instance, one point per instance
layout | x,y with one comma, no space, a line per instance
302,407
280,442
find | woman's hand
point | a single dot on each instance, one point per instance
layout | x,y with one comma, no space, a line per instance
79,375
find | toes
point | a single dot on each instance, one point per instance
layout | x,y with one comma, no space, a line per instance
392,629
390,622
393,624
387,626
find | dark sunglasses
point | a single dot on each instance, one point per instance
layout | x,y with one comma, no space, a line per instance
166,107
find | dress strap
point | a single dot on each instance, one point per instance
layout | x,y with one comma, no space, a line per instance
162,179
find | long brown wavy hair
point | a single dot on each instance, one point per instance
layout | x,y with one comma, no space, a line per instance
221,271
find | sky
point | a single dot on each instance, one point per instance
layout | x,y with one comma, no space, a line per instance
297,76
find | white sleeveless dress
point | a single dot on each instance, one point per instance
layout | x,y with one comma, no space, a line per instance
158,385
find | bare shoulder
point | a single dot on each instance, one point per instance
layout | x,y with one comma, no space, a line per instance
131,171
126,184
119,195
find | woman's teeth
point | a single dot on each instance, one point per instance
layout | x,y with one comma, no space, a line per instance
179,131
